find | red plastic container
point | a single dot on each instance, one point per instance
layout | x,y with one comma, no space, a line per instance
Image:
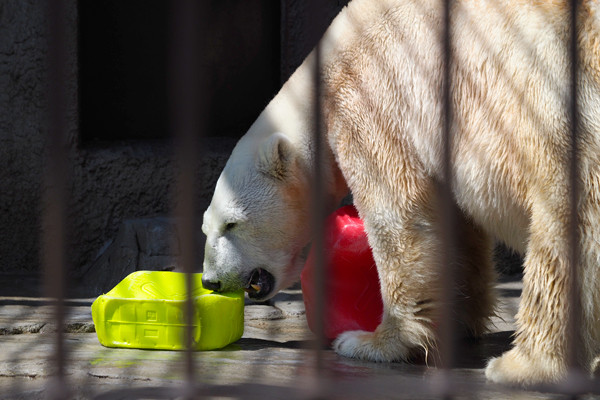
352,293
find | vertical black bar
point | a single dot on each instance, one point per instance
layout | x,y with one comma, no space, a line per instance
318,196
186,122
447,274
318,213
573,234
55,190
284,57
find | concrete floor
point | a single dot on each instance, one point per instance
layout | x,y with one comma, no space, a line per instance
274,359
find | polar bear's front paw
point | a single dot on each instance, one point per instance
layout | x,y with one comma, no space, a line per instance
515,368
369,346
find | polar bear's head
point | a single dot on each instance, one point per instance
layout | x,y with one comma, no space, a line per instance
258,222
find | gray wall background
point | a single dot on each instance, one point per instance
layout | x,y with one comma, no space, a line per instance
110,184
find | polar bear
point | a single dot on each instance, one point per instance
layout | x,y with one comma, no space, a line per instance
382,73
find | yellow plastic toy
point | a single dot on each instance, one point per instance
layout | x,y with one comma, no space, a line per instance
146,311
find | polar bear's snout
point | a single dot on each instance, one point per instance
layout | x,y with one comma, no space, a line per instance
259,284
210,282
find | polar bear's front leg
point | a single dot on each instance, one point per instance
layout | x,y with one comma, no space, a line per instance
404,250
407,269
408,321
408,278
396,198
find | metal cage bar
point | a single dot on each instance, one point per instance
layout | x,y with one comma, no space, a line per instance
55,195
318,217
186,110
448,271
574,190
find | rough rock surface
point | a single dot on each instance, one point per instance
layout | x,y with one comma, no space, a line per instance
140,244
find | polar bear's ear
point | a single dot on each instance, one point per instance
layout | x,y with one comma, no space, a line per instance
275,156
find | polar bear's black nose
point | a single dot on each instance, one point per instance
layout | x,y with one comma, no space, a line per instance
210,284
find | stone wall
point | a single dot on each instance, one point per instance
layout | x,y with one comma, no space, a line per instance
22,130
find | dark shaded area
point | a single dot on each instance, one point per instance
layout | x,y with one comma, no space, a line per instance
123,48
477,352
33,302
507,261
476,355
259,344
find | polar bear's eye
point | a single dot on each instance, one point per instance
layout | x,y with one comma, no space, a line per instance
229,226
